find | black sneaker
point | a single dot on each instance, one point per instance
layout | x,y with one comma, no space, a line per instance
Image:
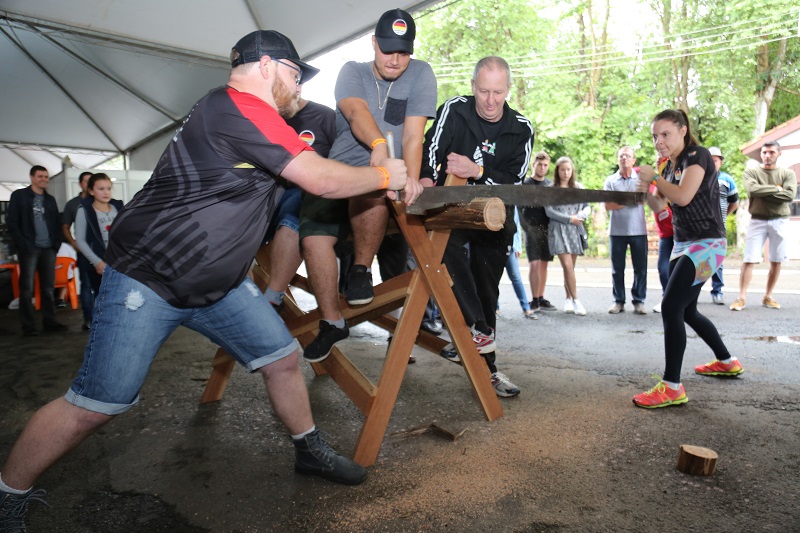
545,305
534,304
314,457
30,332
321,346
87,325
61,304
14,507
359,286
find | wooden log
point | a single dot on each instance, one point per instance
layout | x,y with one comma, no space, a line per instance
479,213
696,460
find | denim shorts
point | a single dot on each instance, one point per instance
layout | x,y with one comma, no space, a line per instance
131,322
287,213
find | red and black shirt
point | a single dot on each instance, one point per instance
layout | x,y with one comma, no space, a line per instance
191,233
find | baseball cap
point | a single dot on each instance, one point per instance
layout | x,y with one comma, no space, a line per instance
253,46
395,32
716,151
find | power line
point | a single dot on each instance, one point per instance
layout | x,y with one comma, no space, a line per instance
659,53
781,21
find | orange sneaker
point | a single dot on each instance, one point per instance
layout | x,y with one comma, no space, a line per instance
717,368
660,396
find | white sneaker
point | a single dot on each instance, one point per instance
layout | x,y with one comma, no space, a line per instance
580,310
503,386
569,307
657,307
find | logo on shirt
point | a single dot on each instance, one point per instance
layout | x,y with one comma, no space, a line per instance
692,154
478,156
400,27
307,136
488,147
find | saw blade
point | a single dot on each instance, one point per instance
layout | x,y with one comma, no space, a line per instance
522,195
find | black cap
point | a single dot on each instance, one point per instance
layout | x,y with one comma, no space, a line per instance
253,46
395,32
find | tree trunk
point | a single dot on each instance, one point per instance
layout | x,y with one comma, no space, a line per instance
769,71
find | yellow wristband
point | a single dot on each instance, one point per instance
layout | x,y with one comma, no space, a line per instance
385,174
378,141
480,172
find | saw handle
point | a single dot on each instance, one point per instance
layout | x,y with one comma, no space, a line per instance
390,146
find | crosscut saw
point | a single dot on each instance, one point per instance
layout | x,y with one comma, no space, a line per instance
524,195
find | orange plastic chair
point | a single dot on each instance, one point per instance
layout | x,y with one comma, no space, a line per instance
64,267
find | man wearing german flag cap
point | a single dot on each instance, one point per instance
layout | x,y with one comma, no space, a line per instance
393,93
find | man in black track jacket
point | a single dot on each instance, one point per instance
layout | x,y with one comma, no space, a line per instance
480,138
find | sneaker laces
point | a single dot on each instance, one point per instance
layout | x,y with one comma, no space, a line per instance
320,449
15,507
660,387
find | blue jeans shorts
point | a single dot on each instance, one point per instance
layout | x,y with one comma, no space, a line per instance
287,213
131,322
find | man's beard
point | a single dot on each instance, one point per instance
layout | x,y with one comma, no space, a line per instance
285,99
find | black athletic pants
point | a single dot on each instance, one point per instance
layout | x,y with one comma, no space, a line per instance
678,308
475,260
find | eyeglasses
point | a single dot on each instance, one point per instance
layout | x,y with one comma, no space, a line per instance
624,156
297,79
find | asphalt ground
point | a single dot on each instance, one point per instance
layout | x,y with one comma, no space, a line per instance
571,453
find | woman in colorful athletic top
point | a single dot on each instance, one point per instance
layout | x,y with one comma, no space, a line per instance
688,182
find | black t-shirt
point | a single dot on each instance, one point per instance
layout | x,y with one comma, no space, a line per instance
700,218
191,233
488,145
316,125
535,216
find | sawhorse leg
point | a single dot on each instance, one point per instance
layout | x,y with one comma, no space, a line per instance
429,278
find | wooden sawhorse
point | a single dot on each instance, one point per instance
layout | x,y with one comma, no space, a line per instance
410,291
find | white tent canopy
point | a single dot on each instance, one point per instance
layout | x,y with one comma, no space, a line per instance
90,79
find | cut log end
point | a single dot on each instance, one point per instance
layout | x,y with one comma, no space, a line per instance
696,460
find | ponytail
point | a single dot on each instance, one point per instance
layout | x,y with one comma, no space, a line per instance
679,118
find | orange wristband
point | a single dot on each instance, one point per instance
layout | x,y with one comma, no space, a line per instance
378,141
385,174
654,180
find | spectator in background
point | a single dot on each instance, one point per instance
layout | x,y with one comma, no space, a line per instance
92,224
771,190
627,229
728,203
33,222
663,216
535,223
512,270
84,267
566,235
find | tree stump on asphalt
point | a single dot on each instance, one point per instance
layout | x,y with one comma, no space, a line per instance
696,460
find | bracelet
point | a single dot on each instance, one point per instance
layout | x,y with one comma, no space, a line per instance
654,180
376,142
385,174
480,172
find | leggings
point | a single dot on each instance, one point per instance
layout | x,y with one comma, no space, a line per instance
679,307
